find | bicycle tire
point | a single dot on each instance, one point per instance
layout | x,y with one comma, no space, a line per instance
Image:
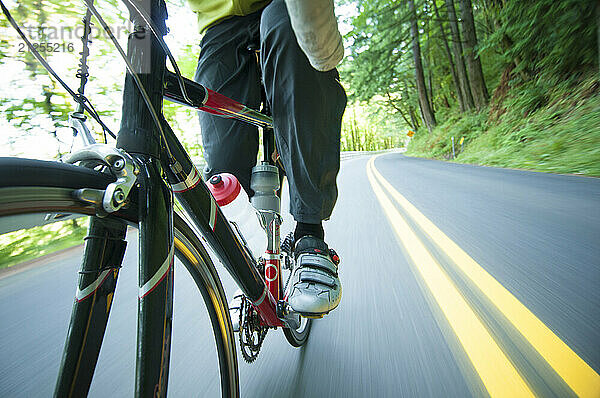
298,337
28,187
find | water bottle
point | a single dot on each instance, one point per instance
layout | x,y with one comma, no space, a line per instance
265,183
235,204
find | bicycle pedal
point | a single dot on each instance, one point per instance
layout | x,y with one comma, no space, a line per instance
314,316
234,314
235,305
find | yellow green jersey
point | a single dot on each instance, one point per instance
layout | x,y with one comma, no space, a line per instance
210,12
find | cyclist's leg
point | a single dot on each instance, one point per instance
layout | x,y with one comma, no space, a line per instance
307,108
228,67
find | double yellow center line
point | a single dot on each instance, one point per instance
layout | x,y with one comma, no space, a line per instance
492,365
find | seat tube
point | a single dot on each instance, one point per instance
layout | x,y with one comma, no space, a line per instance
265,182
273,257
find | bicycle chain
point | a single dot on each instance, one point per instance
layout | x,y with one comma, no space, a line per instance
249,325
287,245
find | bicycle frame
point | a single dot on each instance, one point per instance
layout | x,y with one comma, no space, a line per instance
202,208
157,155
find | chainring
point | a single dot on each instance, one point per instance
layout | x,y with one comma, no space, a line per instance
251,334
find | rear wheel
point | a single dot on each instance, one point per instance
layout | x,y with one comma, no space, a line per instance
297,337
35,193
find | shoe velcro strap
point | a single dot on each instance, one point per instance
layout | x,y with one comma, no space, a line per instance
317,261
316,277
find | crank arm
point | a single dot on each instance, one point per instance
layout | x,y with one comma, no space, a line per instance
287,315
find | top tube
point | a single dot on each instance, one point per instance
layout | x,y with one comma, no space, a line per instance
207,100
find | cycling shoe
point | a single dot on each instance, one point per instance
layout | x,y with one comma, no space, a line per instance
315,286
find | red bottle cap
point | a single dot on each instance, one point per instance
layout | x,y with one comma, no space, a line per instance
224,187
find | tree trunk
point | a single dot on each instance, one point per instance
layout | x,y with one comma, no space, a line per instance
428,116
408,122
400,111
429,64
478,88
461,70
461,99
414,118
445,101
353,130
411,109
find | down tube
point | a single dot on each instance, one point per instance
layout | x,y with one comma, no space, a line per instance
204,212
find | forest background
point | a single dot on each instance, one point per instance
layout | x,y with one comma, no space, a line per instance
516,83
512,83
489,82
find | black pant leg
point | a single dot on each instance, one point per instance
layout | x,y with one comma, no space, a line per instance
307,108
227,66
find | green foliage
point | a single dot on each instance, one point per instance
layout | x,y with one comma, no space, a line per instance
377,63
369,127
35,108
438,144
538,58
380,62
550,39
530,97
26,244
560,133
183,119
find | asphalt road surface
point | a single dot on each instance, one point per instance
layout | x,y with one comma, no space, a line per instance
457,281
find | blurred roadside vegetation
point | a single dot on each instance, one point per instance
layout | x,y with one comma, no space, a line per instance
519,81
562,136
368,126
26,244
34,108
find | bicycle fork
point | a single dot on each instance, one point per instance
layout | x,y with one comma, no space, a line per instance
104,251
103,255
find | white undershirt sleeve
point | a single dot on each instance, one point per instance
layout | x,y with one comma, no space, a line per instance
317,33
